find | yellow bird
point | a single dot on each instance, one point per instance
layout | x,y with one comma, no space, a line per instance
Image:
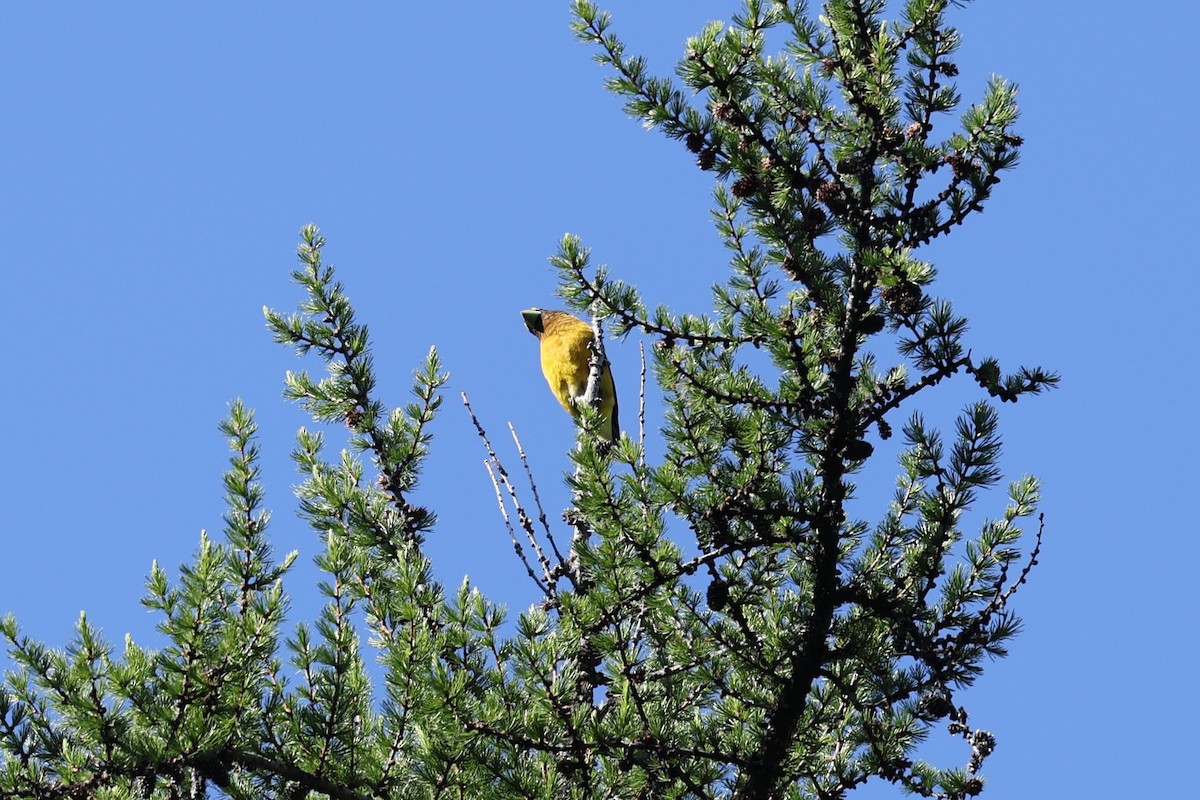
565,356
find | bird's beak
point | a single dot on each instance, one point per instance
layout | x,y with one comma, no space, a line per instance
533,320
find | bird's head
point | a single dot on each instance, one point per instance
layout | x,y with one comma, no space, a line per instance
533,321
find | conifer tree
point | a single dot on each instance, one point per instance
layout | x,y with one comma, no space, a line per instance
717,623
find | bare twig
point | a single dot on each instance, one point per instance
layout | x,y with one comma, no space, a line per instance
520,551
1003,594
537,500
642,404
596,364
500,478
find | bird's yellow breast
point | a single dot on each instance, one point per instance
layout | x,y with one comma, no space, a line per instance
565,356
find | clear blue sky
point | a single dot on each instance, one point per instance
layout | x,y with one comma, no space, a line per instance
157,161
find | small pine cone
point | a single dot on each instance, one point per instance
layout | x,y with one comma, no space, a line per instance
830,64
718,595
695,142
914,130
963,168
892,138
984,743
973,787
904,298
830,194
417,517
791,266
813,217
937,706
947,68
745,186
728,113
859,450
871,325
353,418
707,158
